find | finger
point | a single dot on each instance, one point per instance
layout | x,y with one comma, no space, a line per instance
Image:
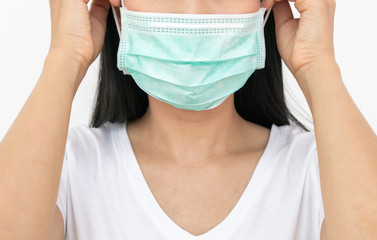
303,5
116,3
282,12
99,10
267,3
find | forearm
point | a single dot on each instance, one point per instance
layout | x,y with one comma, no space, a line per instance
347,153
32,152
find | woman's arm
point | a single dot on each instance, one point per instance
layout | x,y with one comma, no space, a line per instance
347,154
346,145
32,151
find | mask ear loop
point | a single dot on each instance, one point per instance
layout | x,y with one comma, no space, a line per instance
115,15
267,14
266,17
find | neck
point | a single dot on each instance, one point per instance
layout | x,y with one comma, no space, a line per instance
194,138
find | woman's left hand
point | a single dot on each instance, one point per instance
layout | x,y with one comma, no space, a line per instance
305,44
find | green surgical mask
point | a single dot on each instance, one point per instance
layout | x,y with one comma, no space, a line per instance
191,61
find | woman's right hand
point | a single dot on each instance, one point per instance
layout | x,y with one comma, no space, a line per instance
77,31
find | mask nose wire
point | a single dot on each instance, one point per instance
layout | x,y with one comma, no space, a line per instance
115,15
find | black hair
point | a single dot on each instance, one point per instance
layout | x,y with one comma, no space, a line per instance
261,100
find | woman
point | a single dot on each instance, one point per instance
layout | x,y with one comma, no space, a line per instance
191,165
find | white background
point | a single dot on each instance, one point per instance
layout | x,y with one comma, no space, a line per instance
25,37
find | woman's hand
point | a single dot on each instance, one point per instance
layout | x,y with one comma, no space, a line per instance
76,31
305,44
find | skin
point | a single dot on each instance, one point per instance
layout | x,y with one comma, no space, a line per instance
347,146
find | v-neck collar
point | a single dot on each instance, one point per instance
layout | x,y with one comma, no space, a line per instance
163,221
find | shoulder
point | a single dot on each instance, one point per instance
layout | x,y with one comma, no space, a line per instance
298,148
82,134
86,140
293,137
295,149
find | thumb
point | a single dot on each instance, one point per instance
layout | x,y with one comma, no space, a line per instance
98,19
99,10
282,12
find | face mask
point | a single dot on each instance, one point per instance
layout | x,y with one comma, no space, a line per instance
191,61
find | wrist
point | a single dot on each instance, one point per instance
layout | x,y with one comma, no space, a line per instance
65,64
321,73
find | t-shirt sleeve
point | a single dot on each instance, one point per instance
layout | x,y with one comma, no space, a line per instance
320,200
62,198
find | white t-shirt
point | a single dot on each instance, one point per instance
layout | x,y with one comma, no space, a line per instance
103,194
